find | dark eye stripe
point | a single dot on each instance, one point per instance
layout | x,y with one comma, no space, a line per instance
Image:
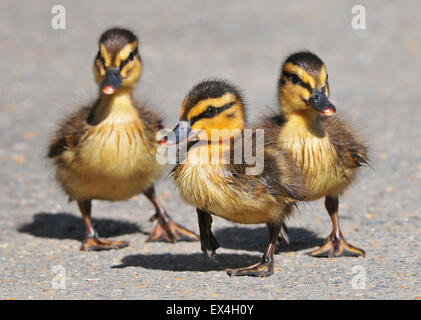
128,59
100,58
204,115
301,82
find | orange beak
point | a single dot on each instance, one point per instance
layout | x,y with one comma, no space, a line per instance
108,90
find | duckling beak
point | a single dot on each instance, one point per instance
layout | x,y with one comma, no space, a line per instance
320,103
182,131
112,81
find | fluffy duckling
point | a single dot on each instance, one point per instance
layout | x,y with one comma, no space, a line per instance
106,151
322,146
210,180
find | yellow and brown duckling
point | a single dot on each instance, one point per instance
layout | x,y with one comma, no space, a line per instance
323,147
107,151
210,180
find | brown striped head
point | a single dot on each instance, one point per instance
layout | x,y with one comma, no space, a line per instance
117,64
210,105
303,85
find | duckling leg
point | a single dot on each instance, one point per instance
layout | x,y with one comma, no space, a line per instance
92,241
166,230
264,268
335,245
207,240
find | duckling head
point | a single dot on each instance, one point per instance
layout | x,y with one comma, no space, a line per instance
209,106
118,64
303,85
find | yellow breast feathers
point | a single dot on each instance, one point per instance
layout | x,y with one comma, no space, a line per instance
114,160
315,155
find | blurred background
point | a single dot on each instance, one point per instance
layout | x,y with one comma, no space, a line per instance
374,79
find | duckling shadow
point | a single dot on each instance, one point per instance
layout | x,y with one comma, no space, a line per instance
232,238
256,239
68,226
196,262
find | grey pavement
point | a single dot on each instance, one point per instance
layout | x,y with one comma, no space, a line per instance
375,81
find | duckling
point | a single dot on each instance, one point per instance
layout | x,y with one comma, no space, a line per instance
107,150
210,180
323,147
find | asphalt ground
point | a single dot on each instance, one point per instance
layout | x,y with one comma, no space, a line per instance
374,78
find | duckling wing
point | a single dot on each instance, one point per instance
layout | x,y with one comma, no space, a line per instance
281,172
279,175
69,132
352,153
283,186
150,118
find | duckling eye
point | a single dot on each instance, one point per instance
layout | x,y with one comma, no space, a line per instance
294,79
131,56
210,111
